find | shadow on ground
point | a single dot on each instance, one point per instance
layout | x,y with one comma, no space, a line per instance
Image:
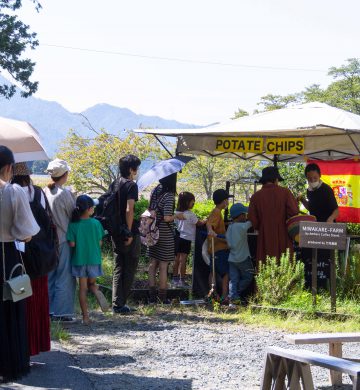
57,370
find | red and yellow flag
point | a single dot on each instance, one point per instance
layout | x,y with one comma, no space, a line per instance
344,178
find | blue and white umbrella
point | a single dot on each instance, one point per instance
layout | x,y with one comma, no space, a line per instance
162,169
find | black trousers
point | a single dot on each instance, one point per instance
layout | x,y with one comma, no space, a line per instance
126,262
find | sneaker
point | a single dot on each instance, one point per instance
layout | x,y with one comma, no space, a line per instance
175,282
232,306
104,304
123,310
183,284
167,301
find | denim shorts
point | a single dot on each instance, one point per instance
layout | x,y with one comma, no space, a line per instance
221,262
86,271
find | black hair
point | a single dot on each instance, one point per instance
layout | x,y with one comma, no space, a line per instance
6,156
22,180
128,162
168,183
312,167
184,201
83,203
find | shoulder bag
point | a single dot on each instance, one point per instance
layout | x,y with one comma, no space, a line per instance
18,287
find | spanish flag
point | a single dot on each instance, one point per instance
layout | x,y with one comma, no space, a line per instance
344,178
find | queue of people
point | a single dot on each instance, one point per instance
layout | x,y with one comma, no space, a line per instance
25,326
268,212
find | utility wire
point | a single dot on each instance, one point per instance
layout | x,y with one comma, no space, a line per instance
183,60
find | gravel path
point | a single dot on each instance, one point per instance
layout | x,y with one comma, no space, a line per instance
177,351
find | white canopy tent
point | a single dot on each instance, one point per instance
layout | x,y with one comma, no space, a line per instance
311,130
22,139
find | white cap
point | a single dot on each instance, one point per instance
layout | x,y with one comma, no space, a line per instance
57,168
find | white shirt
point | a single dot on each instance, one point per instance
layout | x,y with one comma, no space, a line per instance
187,227
30,192
62,204
16,220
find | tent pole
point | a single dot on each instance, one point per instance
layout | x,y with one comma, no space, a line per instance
276,159
162,144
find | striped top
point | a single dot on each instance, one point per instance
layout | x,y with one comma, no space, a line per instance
164,204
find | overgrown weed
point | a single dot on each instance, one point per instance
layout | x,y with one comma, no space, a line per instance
58,333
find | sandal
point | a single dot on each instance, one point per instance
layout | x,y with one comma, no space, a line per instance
86,319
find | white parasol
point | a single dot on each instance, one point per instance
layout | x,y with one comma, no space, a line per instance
22,139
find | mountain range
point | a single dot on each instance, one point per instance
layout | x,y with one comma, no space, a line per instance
53,121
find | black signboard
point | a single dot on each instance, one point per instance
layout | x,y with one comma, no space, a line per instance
322,235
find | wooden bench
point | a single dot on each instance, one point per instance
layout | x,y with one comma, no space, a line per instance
335,341
294,366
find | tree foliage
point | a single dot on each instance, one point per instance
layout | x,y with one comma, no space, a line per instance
205,174
343,92
15,38
240,113
293,175
94,161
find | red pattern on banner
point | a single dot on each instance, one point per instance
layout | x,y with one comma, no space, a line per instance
348,167
348,214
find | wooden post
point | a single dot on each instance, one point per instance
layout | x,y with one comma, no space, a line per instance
314,275
333,281
335,349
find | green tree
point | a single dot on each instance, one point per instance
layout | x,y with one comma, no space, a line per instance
343,92
274,102
240,113
201,175
94,161
293,175
15,38
205,174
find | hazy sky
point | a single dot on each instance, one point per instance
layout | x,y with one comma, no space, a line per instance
272,46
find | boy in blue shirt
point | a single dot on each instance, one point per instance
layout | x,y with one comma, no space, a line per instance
241,269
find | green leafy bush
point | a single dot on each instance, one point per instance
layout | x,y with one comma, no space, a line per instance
203,209
348,279
140,206
353,228
279,279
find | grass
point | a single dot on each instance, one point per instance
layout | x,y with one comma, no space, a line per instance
302,301
296,323
290,323
147,310
58,333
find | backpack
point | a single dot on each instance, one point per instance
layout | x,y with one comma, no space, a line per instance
149,226
108,210
42,252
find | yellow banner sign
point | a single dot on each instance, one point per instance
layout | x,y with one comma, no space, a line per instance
240,145
256,145
285,146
